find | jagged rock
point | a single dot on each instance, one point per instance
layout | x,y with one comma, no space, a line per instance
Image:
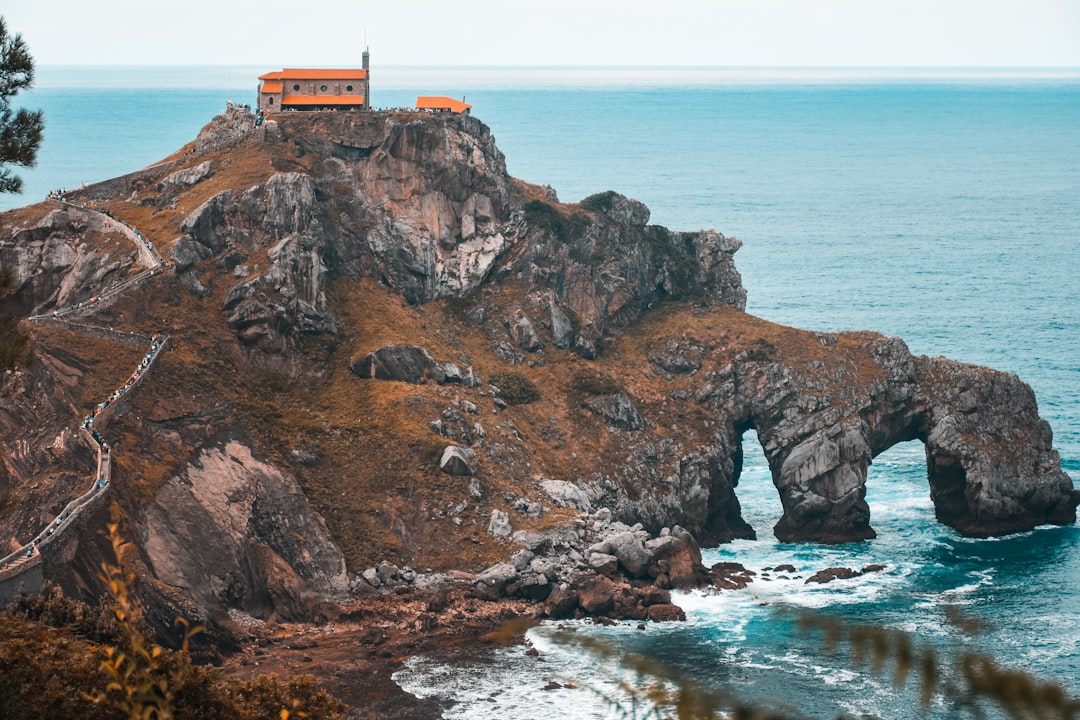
175,182
730,576
829,574
618,410
521,559
451,373
562,331
532,541
990,459
677,357
561,603
304,457
585,346
524,333
567,494
653,595
387,572
530,586
255,516
458,461
499,525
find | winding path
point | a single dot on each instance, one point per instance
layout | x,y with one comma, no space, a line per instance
29,555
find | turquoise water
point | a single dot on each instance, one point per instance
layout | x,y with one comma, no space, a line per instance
939,208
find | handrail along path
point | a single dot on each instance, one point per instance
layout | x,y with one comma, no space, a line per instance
29,555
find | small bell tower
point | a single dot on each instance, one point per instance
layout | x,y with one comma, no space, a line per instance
367,78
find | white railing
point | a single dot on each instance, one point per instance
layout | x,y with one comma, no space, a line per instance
29,554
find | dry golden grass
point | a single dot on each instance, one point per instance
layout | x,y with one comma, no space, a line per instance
105,365
377,482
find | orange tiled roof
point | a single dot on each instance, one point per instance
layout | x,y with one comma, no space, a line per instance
314,74
440,102
271,87
323,100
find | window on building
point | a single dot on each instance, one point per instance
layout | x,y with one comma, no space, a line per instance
295,87
322,88
348,88
270,101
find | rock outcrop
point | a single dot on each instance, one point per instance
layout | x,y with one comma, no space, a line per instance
321,252
236,532
990,460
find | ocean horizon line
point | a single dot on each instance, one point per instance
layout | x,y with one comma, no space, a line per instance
473,77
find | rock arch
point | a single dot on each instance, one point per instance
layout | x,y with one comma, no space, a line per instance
991,467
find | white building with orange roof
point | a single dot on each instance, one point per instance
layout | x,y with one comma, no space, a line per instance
316,89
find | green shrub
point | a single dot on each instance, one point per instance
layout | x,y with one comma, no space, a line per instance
515,388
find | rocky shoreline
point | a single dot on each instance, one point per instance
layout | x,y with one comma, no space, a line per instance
624,576
390,358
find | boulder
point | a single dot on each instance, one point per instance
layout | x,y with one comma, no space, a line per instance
666,613
596,594
458,461
404,363
524,333
561,603
630,551
562,331
603,563
492,583
530,586
567,494
499,525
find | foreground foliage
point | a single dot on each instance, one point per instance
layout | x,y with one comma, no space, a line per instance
968,683
21,131
62,659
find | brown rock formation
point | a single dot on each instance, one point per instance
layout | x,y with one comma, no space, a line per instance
318,239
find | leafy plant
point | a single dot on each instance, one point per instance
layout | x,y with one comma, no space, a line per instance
967,682
141,683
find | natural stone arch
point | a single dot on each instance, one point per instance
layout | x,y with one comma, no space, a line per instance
991,467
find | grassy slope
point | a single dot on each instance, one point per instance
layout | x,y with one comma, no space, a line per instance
378,484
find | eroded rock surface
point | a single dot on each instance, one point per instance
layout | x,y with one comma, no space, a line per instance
236,532
284,244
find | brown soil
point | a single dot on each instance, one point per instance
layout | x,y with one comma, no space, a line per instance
355,657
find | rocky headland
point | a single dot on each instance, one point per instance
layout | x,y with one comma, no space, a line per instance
398,375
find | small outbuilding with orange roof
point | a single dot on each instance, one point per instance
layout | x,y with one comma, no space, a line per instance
441,104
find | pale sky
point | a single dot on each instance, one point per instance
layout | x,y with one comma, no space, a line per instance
290,33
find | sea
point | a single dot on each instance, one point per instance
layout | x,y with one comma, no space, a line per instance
938,205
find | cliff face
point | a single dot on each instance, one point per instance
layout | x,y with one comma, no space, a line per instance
354,292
